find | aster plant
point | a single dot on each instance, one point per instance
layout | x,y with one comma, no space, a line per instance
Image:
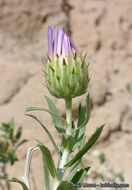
66,76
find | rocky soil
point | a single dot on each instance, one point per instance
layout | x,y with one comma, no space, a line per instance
100,28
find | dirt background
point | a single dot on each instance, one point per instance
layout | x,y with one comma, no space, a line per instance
103,29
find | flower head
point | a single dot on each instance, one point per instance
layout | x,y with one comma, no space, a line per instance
66,73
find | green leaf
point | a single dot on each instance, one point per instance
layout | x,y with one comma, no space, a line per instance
18,181
82,143
46,130
11,128
46,175
81,120
19,133
80,133
12,157
65,185
88,110
48,159
79,176
86,147
56,118
73,170
22,142
73,126
53,114
57,121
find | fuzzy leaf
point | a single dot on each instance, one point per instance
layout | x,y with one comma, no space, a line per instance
73,170
65,185
54,115
86,147
56,120
20,182
48,159
80,133
46,175
88,110
81,119
46,130
79,176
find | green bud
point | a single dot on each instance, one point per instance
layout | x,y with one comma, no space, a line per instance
68,78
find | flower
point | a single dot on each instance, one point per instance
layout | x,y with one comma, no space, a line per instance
62,45
66,72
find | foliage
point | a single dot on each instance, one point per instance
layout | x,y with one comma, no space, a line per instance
9,142
70,143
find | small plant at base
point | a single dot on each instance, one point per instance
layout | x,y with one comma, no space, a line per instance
9,143
66,76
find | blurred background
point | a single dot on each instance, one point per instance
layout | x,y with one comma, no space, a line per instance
100,28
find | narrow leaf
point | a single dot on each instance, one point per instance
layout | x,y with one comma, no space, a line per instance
48,159
80,133
65,185
20,182
88,110
86,147
43,109
79,176
53,114
19,133
46,130
22,142
56,120
73,170
46,175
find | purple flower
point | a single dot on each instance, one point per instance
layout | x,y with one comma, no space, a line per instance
61,45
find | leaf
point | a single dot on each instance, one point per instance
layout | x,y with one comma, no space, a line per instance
65,185
73,170
73,126
46,175
86,147
46,130
81,119
56,119
82,143
48,159
11,129
46,110
12,157
19,133
79,176
22,142
80,133
18,181
88,110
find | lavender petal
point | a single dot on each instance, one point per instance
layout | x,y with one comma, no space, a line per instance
74,46
69,47
56,41
65,47
50,42
60,42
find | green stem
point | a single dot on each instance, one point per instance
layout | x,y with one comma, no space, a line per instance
68,103
66,153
